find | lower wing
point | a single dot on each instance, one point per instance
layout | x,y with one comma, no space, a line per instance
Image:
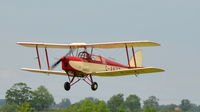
45,71
133,71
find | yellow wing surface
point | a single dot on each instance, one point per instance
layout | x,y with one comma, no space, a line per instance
134,71
44,71
108,45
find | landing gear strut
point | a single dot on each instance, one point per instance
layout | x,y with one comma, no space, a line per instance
67,85
94,85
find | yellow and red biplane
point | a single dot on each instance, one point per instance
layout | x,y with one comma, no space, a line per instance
84,65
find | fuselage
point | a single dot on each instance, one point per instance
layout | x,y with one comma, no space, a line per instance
89,64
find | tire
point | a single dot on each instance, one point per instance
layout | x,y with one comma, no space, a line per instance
67,86
94,86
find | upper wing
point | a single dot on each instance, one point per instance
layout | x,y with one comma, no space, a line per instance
124,44
97,45
128,72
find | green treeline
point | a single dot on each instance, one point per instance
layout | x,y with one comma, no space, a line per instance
21,98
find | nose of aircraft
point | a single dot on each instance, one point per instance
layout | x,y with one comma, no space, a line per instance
62,59
66,62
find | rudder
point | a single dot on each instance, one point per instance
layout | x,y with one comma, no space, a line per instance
138,59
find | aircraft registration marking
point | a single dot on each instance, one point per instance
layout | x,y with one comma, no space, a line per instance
111,68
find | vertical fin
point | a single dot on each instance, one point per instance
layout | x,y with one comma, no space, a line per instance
138,58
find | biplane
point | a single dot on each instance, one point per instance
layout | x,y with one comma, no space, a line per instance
85,64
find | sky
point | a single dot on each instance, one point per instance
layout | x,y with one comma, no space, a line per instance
172,23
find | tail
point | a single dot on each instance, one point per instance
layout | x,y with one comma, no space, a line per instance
138,59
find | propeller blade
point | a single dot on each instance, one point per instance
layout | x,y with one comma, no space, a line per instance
55,64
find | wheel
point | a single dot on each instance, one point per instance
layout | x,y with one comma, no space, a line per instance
67,86
94,86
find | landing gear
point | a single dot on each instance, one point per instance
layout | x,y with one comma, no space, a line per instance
88,80
94,86
67,86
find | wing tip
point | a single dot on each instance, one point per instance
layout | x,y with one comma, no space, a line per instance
18,43
159,70
155,43
24,43
26,69
152,43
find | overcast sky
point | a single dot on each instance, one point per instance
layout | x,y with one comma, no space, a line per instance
175,24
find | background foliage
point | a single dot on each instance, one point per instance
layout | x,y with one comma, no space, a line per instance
21,98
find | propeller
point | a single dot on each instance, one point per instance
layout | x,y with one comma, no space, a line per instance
57,62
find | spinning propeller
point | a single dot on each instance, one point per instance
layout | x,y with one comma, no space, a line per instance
56,63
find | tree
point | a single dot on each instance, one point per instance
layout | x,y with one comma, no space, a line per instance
169,107
115,101
42,99
185,105
2,102
91,99
133,103
64,103
152,101
101,106
122,109
19,93
147,108
8,108
194,108
24,108
153,109
93,106
87,106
